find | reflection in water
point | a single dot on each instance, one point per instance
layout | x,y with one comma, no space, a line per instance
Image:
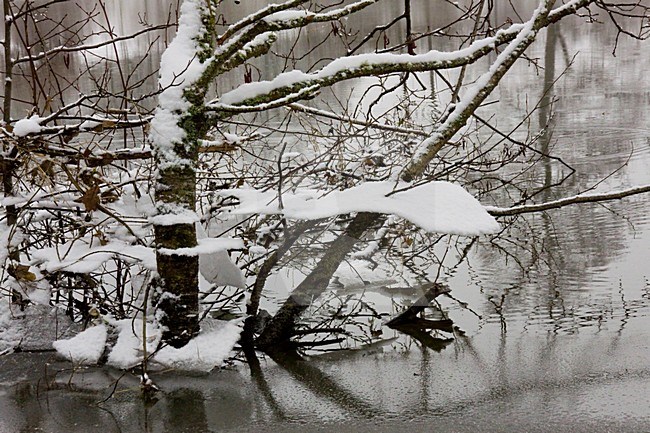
491,377
322,385
563,271
185,411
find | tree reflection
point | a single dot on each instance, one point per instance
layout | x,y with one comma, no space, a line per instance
185,412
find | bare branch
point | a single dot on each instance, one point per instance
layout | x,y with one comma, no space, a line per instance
88,47
556,204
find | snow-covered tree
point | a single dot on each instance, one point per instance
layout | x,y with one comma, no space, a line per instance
218,103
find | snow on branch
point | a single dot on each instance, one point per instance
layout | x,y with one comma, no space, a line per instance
257,16
298,18
179,65
291,82
279,17
477,93
74,155
280,102
235,48
83,258
206,246
170,214
352,67
28,126
180,68
35,125
440,207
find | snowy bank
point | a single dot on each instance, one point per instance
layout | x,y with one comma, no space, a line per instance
204,352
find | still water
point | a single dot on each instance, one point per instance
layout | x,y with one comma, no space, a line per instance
563,338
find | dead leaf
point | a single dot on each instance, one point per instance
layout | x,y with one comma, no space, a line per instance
67,135
109,196
90,178
90,199
21,272
44,171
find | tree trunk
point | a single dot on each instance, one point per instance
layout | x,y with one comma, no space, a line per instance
281,326
185,81
9,152
177,285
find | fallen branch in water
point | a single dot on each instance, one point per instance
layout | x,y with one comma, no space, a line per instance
319,331
310,344
409,316
418,328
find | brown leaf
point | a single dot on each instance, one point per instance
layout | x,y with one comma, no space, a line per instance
109,196
48,168
89,178
90,199
21,272
225,147
68,135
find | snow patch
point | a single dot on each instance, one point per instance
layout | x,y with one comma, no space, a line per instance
439,207
204,352
9,335
28,126
84,348
206,246
217,268
127,351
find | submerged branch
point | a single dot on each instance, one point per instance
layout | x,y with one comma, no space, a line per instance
281,325
410,314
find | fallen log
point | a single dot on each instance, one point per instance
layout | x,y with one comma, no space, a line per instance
410,315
